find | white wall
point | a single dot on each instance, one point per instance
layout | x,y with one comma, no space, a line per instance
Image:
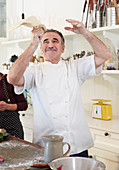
52,13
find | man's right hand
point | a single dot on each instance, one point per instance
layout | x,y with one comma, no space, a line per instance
36,35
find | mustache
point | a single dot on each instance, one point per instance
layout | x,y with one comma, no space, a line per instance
50,49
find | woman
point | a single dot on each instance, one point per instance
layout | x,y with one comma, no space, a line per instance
10,104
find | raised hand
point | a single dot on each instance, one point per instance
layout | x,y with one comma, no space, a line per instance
36,34
78,27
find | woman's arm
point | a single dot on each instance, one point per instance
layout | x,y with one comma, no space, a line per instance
7,106
20,102
17,102
20,105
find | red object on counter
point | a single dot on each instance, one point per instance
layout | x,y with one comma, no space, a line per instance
1,159
60,168
41,165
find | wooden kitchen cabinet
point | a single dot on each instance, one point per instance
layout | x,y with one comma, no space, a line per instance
26,118
106,142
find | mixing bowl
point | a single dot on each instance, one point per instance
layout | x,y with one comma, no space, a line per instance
76,163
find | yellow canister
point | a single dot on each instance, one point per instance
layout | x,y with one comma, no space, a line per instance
102,110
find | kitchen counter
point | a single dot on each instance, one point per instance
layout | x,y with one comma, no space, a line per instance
108,125
10,137
20,148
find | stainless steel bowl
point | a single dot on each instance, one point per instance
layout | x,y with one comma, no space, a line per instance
76,163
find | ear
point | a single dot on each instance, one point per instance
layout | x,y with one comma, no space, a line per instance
41,50
63,48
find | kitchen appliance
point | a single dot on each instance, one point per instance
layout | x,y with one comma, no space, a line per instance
101,109
75,163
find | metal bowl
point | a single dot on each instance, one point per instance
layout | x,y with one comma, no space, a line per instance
76,163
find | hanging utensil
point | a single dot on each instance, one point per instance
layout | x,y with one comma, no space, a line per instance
87,14
104,14
84,10
117,15
101,13
91,14
98,20
94,14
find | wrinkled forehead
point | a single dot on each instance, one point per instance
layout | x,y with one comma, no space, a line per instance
50,36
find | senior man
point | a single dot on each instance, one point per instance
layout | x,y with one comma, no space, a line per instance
54,85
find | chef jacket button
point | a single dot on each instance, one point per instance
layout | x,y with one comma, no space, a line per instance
54,117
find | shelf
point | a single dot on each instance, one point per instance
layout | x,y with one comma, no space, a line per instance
112,76
114,28
15,41
110,72
101,30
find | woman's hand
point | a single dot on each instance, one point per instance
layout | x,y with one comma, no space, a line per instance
7,106
3,105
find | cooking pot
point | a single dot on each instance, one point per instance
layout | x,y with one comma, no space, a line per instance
76,163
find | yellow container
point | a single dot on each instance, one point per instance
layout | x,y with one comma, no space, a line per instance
101,110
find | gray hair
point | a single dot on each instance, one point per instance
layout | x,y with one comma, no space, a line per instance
59,33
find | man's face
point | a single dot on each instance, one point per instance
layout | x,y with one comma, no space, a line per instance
52,47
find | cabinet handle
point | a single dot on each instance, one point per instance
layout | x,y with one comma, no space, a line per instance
106,134
23,114
90,156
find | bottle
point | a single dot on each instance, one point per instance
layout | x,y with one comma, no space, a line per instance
113,15
118,57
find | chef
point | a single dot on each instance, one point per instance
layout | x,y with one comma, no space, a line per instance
55,84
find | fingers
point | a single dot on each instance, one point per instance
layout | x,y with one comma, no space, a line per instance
70,20
68,28
38,28
2,105
38,31
74,22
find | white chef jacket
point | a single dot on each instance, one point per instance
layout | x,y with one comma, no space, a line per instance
56,99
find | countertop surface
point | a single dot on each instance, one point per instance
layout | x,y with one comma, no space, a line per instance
20,148
108,125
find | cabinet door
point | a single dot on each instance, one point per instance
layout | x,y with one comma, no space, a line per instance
26,118
105,157
3,19
28,134
106,148
27,122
